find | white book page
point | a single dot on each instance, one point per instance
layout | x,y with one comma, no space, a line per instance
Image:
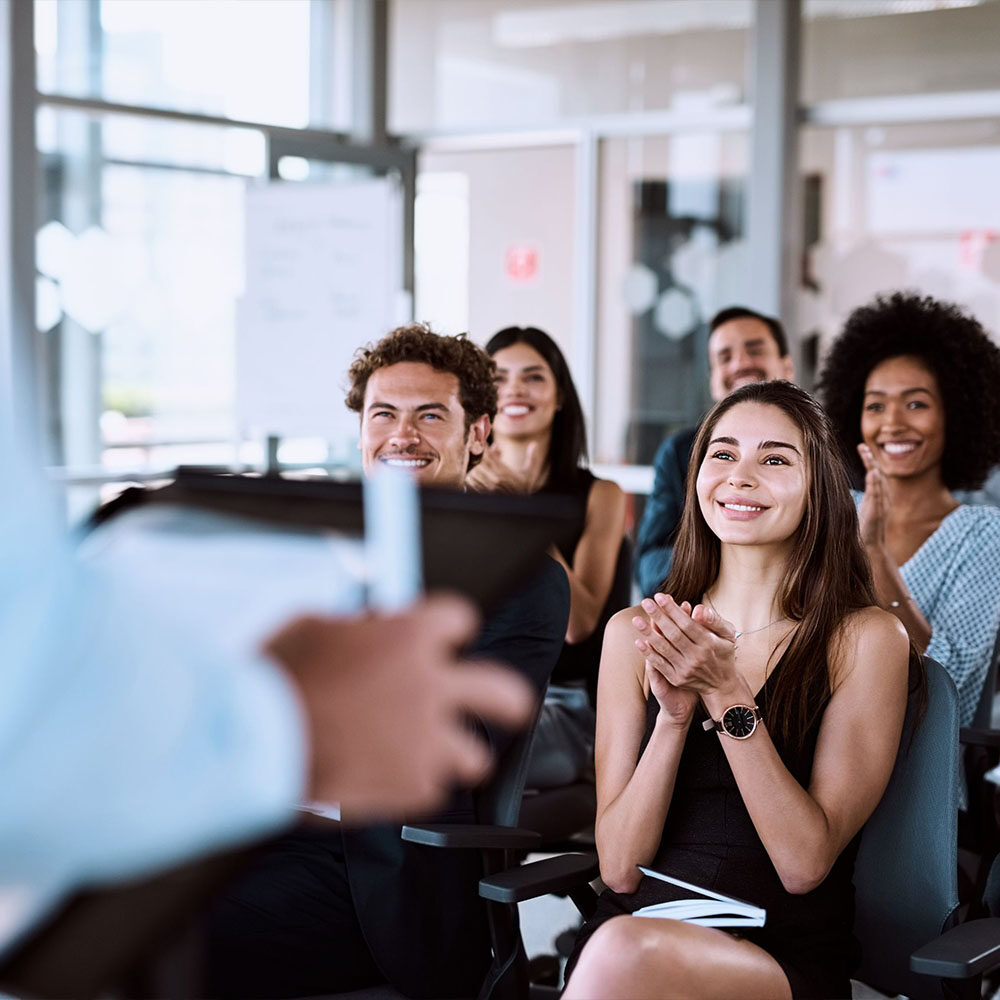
694,888
716,911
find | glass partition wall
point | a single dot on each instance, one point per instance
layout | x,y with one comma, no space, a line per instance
652,109
589,166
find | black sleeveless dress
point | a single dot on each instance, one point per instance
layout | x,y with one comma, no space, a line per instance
709,839
578,662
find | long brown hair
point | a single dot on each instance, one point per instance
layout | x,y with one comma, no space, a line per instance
828,575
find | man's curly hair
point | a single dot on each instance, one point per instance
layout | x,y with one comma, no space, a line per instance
953,345
459,356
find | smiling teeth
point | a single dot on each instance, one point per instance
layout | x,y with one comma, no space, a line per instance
740,506
898,449
515,410
406,463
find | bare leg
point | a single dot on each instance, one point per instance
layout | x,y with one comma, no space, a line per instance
634,958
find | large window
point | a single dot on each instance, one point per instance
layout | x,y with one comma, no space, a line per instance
244,60
586,166
140,246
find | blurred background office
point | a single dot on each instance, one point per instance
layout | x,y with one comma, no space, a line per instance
611,170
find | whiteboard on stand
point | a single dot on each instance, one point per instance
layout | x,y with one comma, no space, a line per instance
323,278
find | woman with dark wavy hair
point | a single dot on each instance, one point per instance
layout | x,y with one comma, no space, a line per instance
539,444
911,387
746,757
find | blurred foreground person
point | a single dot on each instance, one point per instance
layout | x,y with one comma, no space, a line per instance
128,744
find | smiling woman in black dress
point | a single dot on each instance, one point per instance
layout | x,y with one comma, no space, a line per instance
763,802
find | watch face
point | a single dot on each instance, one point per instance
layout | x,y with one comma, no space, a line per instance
739,721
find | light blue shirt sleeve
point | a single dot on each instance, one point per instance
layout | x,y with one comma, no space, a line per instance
953,579
961,599
126,744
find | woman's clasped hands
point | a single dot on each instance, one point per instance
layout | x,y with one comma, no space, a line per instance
689,653
493,474
874,513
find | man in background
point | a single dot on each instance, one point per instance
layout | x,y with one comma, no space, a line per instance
743,346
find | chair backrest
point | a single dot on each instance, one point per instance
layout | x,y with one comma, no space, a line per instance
906,872
498,801
983,719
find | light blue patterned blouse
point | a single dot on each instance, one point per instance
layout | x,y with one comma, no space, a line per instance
955,579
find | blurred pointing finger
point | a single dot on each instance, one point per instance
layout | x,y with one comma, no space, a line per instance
495,693
447,617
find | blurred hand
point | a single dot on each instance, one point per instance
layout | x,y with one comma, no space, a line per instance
493,475
874,513
388,701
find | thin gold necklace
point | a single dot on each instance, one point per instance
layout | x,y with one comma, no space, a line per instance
747,631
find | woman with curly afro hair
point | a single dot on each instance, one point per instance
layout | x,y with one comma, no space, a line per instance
911,386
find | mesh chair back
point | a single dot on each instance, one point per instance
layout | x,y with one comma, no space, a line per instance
906,872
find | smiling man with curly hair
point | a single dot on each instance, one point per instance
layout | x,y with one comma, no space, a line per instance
426,403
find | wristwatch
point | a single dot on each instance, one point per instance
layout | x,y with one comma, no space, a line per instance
738,722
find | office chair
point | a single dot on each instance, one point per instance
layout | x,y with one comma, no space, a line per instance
905,877
564,815
564,811
979,824
498,839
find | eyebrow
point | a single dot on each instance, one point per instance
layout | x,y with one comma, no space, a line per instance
905,392
755,342
419,409
763,446
526,368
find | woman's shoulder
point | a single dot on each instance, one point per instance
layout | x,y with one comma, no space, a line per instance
870,638
620,655
605,502
872,621
604,490
622,620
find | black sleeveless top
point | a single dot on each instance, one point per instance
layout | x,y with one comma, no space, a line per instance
710,840
579,662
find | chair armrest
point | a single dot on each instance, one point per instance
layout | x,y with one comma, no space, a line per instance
979,737
961,953
471,835
559,874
